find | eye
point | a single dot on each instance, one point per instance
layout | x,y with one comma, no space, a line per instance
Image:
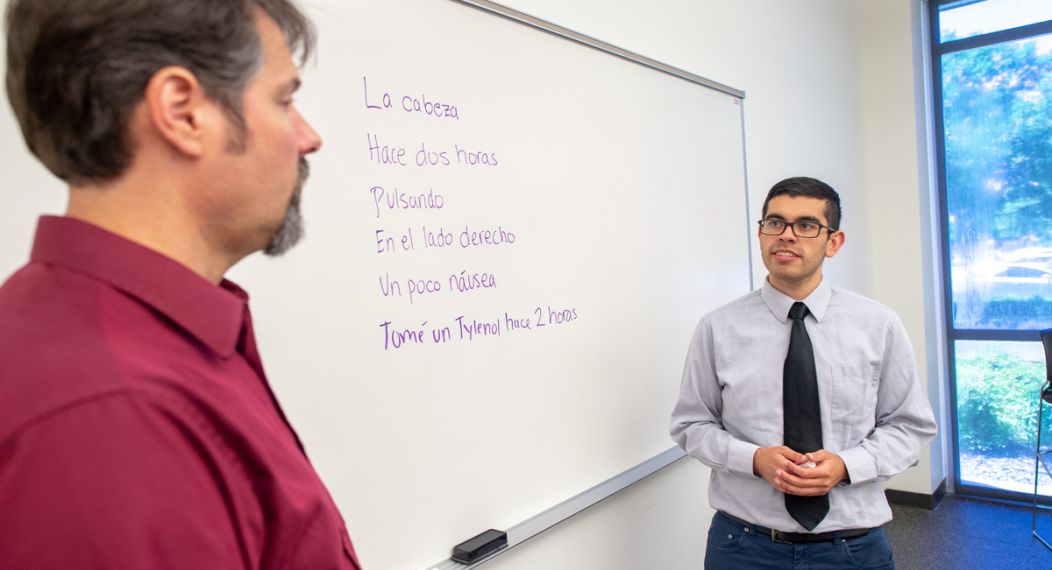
774,224
806,226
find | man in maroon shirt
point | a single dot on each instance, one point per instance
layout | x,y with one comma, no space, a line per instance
137,428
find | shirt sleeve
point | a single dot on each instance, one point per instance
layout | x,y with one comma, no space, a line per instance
118,482
696,420
905,422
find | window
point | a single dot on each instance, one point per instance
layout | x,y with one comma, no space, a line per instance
968,18
992,61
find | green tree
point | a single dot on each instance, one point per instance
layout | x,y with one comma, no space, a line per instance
998,124
997,118
1027,207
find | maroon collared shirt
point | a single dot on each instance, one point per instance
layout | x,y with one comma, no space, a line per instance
137,428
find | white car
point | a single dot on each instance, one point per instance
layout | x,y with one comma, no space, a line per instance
1010,279
1027,255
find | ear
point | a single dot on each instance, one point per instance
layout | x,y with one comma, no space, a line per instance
176,106
834,243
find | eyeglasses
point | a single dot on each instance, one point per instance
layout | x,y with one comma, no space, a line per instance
804,229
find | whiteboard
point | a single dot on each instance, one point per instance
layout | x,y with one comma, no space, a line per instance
589,210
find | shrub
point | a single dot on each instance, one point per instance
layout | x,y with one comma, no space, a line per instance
997,398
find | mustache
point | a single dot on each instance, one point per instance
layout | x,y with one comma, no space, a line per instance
303,172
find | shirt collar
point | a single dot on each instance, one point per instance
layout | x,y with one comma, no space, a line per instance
212,314
779,303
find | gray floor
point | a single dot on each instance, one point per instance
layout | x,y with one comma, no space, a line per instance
969,533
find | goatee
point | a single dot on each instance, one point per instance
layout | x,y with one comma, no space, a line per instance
290,232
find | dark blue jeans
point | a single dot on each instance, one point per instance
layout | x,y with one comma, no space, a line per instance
734,547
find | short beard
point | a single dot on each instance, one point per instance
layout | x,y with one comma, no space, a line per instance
290,232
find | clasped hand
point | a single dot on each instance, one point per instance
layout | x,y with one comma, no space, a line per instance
784,469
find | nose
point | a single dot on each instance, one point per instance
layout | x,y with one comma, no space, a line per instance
788,233
310,140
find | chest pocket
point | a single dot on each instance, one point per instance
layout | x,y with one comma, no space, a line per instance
854,402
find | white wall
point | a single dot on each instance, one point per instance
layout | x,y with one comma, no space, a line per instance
894,71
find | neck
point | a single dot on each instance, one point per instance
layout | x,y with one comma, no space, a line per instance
796,290
151,217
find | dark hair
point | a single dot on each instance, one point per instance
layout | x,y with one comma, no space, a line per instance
811,188
76,70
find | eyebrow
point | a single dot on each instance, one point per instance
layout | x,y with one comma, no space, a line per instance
802,219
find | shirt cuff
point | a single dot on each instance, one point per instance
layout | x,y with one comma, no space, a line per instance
860,465
739,457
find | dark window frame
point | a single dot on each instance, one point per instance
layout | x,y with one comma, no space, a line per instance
953,334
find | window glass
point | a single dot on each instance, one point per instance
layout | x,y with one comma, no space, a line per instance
997,120
959,20
997,403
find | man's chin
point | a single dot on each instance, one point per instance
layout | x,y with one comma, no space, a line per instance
289,231
288,234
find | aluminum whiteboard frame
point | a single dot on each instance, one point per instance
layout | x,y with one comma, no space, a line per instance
546,26
543,521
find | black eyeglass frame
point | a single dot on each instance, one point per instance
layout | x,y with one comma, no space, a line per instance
793,225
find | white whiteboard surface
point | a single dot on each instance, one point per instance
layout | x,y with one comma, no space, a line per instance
624,188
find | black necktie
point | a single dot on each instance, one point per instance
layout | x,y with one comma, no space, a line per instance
802,420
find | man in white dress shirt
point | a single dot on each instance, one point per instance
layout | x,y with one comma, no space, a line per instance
870,411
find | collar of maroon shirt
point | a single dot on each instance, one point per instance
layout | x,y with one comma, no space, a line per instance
217,316
212,314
